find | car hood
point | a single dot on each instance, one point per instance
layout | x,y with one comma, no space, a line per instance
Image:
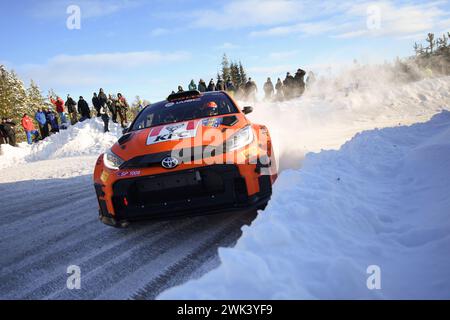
179,135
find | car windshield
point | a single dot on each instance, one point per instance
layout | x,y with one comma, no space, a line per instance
204,106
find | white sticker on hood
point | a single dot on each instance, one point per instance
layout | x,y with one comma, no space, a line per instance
173,131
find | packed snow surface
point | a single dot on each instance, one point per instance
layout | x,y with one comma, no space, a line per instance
383,199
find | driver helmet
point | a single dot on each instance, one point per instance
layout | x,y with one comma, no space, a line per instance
211,108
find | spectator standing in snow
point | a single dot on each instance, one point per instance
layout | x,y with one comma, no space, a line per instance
268,89
96,103
3,135
8,127
122,108
102,98
83,109
59,105
180,89
220,86
202,86
52,120
112,107
250,90
279,88
299,82
211,86
192,85
105,117
288,86
42,122
30,130
71,106
230,86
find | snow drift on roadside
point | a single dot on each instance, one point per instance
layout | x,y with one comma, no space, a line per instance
382,199
84,138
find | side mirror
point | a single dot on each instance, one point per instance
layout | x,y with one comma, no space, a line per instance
247,110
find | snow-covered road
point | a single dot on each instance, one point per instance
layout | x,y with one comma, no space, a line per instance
52,224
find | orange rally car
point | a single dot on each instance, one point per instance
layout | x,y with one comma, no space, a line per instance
194,153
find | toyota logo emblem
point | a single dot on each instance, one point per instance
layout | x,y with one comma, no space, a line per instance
169,163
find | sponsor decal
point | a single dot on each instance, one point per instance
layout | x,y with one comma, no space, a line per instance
134,173
169,104
104,177
171,132
214,122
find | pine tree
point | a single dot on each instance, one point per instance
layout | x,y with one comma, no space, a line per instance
226,72
431,43
13,97
235,75
243,74
34,96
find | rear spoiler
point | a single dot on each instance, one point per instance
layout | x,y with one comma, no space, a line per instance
184,95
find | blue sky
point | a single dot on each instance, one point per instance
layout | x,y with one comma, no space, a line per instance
147,48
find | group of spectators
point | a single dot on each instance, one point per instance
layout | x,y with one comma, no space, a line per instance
50,122
290,87
246,91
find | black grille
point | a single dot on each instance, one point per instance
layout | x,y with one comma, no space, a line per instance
206,187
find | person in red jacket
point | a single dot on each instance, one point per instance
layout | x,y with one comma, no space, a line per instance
59,105
30,130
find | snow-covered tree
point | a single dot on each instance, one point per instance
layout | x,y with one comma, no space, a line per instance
226,72
13,95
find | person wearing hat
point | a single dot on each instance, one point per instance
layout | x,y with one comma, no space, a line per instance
83,109
202,86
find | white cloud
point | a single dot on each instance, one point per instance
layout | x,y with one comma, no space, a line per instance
350,21
89,8
95,69
245,13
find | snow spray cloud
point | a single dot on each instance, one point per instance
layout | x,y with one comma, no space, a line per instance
340,104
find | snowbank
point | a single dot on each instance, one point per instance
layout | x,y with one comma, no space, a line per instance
83,139
383,199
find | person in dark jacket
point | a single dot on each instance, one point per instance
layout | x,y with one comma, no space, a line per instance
299,80
220,86
8,127
52,120
192,85
251,89
230,86
112,107
279,88
122,109
83,109
202,86
3,135
102,98
211,86
41,119
71,106
180,89
96,104
288,86
268,89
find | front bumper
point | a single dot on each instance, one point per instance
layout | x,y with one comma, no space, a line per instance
202,190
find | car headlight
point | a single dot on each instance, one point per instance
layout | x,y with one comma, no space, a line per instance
111,160
240,139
